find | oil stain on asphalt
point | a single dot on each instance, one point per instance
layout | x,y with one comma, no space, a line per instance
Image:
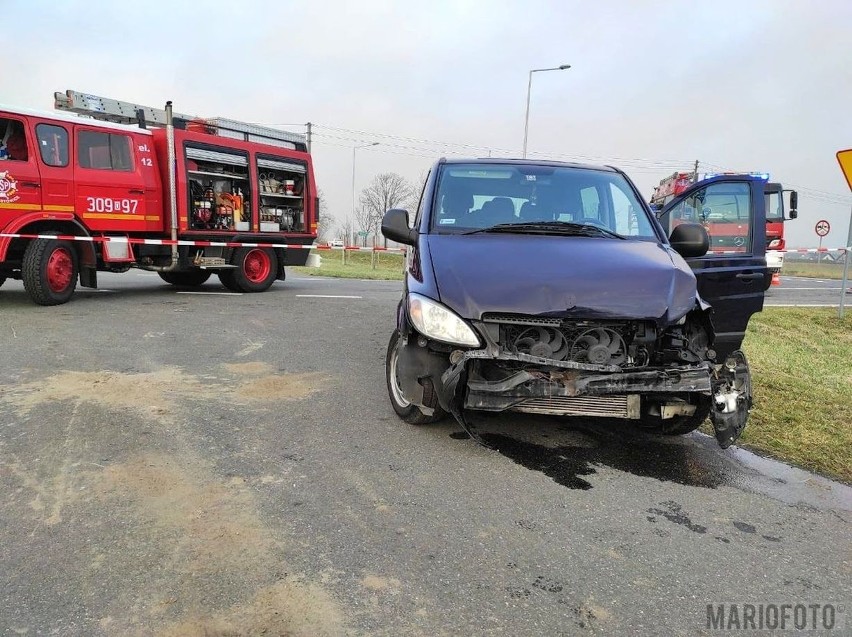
570,465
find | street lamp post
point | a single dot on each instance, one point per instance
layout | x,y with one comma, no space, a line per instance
529,87
354,148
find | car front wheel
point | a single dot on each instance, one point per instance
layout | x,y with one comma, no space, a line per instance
401,405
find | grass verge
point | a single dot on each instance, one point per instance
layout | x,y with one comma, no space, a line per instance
801,362
388,266
813,270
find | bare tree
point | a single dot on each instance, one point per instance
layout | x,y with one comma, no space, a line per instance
421,184
345,230
386,191
326,223
366,221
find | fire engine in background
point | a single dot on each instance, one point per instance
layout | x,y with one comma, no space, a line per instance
676,183
178,195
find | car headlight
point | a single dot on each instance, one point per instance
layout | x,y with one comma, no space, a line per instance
433,320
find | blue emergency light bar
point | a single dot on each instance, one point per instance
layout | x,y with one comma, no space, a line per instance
763,176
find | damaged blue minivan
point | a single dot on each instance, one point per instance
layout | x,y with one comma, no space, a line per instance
552,288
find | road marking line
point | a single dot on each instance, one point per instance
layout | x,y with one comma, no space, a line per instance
327,296
792,289
214,293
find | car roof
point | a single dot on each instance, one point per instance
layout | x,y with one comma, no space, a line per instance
504,161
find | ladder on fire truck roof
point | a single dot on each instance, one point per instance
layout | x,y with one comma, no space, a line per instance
117,111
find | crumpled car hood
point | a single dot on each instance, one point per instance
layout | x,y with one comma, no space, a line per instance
570,277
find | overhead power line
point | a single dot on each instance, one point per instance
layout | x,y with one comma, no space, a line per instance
429,148
359,135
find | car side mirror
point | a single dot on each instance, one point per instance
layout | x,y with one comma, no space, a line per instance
690,240
794,204
395,227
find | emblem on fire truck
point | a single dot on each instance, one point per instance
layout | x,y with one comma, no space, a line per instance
8,188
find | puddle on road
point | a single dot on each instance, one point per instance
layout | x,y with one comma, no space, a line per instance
572,454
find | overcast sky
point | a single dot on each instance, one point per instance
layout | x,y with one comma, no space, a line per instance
758,86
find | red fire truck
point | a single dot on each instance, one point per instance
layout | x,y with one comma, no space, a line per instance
676,183
109,185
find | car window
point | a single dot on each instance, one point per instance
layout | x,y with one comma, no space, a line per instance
474,196
724,209
104,151
53,144
13,140
591,202
627,221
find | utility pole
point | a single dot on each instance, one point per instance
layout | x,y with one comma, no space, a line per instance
695,172
308,136
529,89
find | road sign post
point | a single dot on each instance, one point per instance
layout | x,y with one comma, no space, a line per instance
822,228
844,158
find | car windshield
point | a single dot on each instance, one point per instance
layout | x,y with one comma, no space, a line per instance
538,199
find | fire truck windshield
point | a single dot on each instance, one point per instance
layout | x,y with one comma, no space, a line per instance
774,207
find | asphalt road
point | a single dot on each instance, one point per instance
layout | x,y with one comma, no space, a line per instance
804,292
222,464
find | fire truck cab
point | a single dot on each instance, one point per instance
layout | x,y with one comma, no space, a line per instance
719,215
79,195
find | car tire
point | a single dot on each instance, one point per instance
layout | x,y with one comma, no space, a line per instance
191,278
679,425
404,409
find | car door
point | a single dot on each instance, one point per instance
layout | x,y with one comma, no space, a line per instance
731,275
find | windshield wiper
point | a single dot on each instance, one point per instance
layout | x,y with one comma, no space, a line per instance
550,227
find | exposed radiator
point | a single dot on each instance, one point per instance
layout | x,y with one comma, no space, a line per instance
596,406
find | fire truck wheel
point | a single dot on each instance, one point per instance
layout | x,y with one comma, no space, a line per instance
49,271
2,280
227,279
255,272
191,278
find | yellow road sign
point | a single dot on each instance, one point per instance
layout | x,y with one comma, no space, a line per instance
844,158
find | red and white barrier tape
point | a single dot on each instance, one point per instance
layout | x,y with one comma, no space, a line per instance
798,250
200,244
295,246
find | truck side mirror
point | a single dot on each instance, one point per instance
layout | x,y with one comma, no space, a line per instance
690,240
794,204
395,227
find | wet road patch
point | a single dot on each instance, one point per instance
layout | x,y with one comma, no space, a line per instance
572,464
